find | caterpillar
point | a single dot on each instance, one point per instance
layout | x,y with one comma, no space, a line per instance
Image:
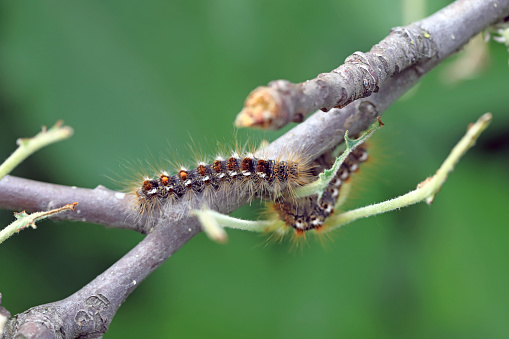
255,177
310,212
239,174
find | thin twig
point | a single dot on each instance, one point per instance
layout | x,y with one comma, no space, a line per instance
427,189
28,146
24,220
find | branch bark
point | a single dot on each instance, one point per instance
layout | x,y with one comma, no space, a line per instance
421,44
88,312
100,205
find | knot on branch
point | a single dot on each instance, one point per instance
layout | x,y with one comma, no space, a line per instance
39,322
95,315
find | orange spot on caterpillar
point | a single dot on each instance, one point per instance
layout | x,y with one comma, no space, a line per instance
165,180
147,186
201,169
217,166
232,164
262,164
183,175
299,232
246,164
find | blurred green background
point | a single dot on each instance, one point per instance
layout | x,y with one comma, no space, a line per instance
134,78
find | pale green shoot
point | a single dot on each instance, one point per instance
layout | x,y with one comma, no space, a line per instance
27,146
427,189
213,224
24,220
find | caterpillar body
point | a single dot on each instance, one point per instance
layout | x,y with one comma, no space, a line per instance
240,174
310,213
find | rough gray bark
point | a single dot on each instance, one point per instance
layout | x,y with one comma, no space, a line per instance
361,75
421,44
88,312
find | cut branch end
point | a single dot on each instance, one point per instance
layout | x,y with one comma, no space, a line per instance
261,109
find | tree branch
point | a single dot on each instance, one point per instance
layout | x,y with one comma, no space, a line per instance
421,44
99,205
88,312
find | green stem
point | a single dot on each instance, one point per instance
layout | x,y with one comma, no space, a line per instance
25,220
427,189
30,145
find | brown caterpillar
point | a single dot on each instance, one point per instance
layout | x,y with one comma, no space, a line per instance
309,213
240,174
257,177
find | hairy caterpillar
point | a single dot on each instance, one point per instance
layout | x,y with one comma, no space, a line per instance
310,212
260,177
238,174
